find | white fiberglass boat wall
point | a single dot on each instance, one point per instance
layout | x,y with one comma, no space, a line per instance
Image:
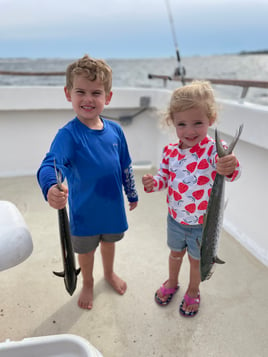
31,116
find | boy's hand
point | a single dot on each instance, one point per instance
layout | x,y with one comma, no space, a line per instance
56,198
226,165
148,182
133,205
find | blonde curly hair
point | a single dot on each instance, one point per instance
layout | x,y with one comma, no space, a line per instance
198,94
93,69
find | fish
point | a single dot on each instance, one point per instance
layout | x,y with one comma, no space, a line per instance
69,272
213,218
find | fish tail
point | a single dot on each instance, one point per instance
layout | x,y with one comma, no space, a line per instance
220,149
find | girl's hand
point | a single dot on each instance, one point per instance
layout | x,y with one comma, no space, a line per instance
148,182
56,198
226,165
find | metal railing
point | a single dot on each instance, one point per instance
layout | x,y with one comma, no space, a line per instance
245,84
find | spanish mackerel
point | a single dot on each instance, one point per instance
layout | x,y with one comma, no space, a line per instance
70,272
214,215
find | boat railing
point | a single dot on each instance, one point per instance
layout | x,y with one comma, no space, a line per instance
245,84
12,73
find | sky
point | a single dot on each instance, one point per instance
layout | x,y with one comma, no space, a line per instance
131,28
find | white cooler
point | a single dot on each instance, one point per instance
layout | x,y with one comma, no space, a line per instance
65,345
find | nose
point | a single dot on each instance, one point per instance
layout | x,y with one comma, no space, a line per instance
190,130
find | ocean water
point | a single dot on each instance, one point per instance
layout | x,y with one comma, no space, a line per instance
134,72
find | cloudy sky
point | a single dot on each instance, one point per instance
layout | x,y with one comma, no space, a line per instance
130,28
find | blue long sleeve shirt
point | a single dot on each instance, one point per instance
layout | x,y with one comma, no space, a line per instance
97,165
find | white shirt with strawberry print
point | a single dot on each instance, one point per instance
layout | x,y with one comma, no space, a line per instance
189,175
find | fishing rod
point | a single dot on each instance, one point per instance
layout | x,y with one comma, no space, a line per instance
180,70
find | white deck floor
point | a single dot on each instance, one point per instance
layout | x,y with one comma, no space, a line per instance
233,316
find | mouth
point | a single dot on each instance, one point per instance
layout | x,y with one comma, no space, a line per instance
87,107
191,138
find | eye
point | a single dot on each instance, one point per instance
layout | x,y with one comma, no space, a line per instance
199,123
181,124
79,91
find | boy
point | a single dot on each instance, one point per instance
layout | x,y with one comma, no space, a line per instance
92,154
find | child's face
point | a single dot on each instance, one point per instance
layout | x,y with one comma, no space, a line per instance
191,126
88,99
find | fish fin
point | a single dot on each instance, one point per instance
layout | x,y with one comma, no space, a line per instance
60,274
218,260
77,271
220,149
235,139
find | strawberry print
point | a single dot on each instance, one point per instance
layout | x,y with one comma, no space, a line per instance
165,161
172,175
182,187
177,196
190,208
203,205
173,214
198,194
210,151
188,197
174,153
203,164
200,151
213,175
202,180
161,185
191,167
201,220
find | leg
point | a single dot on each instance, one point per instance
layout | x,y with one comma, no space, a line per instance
86,262
193,288
174,263
108,253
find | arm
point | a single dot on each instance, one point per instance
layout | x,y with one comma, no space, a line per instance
46,174
160,181
129,187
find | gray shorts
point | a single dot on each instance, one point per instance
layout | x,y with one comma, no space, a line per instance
86,244
182,236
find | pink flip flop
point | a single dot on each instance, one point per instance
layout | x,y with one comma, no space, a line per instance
188,300
165,291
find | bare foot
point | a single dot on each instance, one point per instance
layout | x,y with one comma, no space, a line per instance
118,284
85,300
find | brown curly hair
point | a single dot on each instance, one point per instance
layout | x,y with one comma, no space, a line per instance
93,69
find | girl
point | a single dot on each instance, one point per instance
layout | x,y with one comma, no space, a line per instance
187,170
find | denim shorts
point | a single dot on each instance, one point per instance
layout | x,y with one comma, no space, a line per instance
182,236
86,244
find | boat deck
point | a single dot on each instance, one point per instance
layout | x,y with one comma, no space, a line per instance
233,316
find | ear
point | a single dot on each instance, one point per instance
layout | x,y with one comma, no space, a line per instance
67,94
108,98
212,120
